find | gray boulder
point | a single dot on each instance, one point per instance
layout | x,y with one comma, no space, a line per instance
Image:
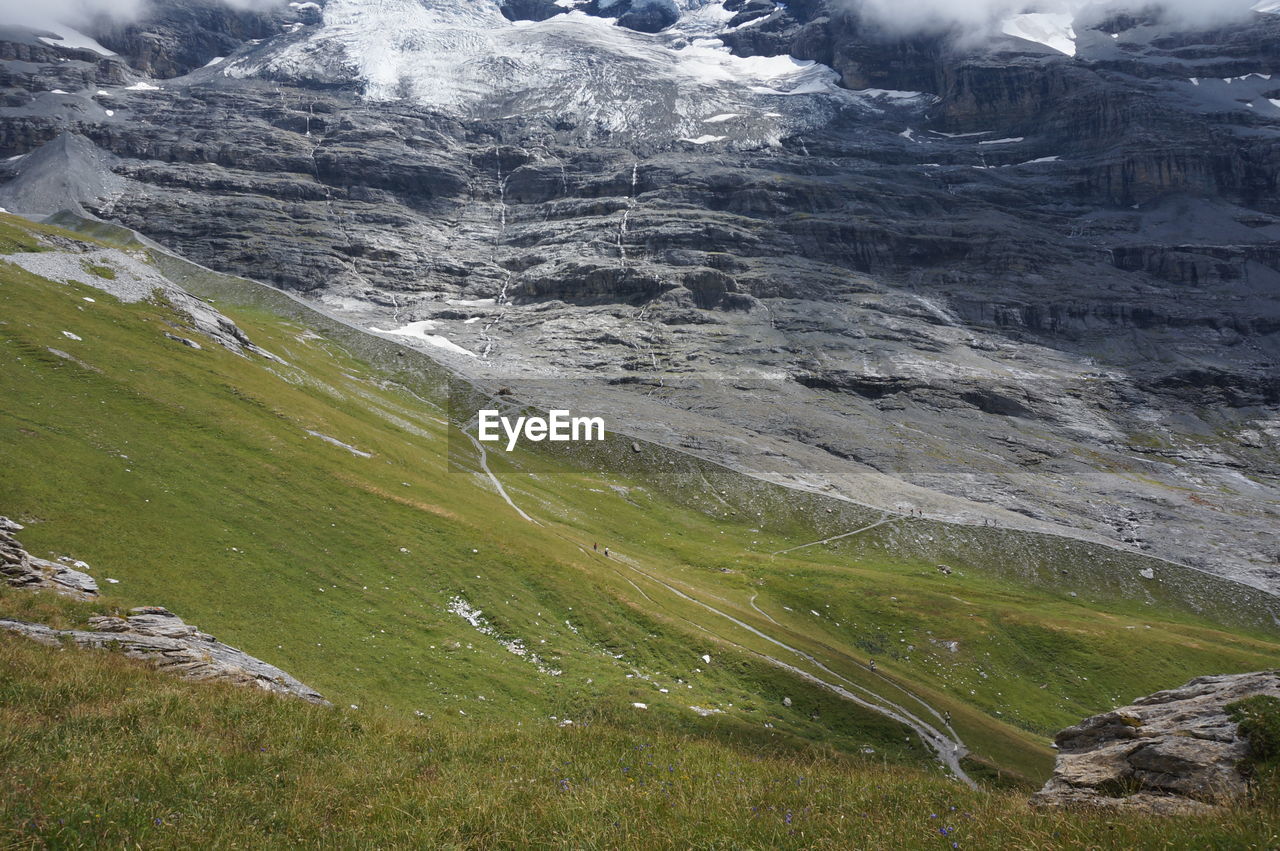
1170,752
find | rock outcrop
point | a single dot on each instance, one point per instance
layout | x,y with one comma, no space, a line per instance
158,636
1173,751
23,570
150,633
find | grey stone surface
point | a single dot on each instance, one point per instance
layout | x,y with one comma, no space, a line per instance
1172,751
20,569
159,637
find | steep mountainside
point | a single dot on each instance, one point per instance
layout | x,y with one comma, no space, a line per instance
1028,281
304,499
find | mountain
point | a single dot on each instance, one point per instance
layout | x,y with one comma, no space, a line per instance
982,278
297,488
938,360
888,233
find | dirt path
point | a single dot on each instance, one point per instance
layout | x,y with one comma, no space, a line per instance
879,522
502,492
947,746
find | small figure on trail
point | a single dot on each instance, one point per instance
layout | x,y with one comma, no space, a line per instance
595,547
606,552
872,664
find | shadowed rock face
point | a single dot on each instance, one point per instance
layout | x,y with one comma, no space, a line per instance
1173,751
989,281
177,38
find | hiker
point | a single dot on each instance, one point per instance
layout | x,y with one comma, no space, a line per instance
872,664
606,552
596,547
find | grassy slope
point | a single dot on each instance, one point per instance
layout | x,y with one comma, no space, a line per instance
96,751
190,477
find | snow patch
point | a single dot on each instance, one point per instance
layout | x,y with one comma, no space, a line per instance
466,58
418,331
1052,29
64,36
894,95
141,86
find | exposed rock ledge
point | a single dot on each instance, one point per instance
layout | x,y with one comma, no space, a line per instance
150,633
163,639
1173,751
23,570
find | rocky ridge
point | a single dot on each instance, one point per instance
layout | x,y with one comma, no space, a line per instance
150,633
126,275
1173,751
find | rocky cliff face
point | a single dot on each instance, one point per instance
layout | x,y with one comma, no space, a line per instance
985,279
1171,752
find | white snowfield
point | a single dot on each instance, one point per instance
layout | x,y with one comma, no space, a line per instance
418,331
1052,29
1052,22
465,58
61,35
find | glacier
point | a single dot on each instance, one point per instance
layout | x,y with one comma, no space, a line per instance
467,60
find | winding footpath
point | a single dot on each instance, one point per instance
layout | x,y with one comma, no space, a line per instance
947,746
